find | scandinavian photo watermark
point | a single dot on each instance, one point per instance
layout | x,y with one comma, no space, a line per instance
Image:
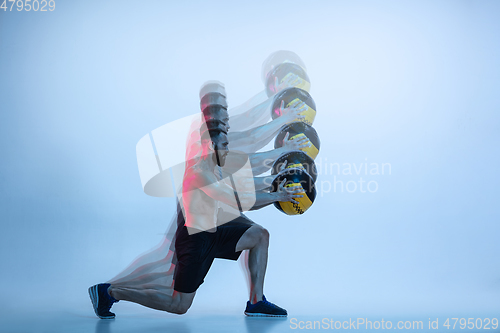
349,177
366,176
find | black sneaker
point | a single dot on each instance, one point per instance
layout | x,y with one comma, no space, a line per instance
102,301
264,309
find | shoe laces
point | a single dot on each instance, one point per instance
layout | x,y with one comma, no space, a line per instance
268,303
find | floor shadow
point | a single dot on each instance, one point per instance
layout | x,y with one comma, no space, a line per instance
104,325
265,324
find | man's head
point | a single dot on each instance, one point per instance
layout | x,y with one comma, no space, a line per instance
214,141
213,98
217,112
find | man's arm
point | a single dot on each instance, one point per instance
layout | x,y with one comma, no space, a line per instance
257,110
262,162
254,112
264,198
218,190
263,183
251,140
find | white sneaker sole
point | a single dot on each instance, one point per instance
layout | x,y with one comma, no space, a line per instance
251,314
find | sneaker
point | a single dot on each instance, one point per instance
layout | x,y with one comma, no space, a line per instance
264,309
102,301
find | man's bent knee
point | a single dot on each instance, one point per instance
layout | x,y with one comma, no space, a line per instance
256,235
180,308
183,303
263,234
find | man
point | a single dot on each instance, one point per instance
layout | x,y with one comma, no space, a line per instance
160,271
199,241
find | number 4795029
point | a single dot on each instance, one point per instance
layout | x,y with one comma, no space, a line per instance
29,5
472,323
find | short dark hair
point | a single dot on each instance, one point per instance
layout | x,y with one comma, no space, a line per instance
213,98
212,134
211,129
213,124
210,111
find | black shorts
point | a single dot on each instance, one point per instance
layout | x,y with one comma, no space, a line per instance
196,252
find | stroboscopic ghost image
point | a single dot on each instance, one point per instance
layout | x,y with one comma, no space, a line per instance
248,128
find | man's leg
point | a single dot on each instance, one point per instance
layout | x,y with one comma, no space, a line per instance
255,239
142,273
177,303
158,278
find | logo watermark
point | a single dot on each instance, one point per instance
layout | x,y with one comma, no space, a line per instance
366,324
350,177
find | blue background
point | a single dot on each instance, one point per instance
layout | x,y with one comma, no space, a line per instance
413,84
